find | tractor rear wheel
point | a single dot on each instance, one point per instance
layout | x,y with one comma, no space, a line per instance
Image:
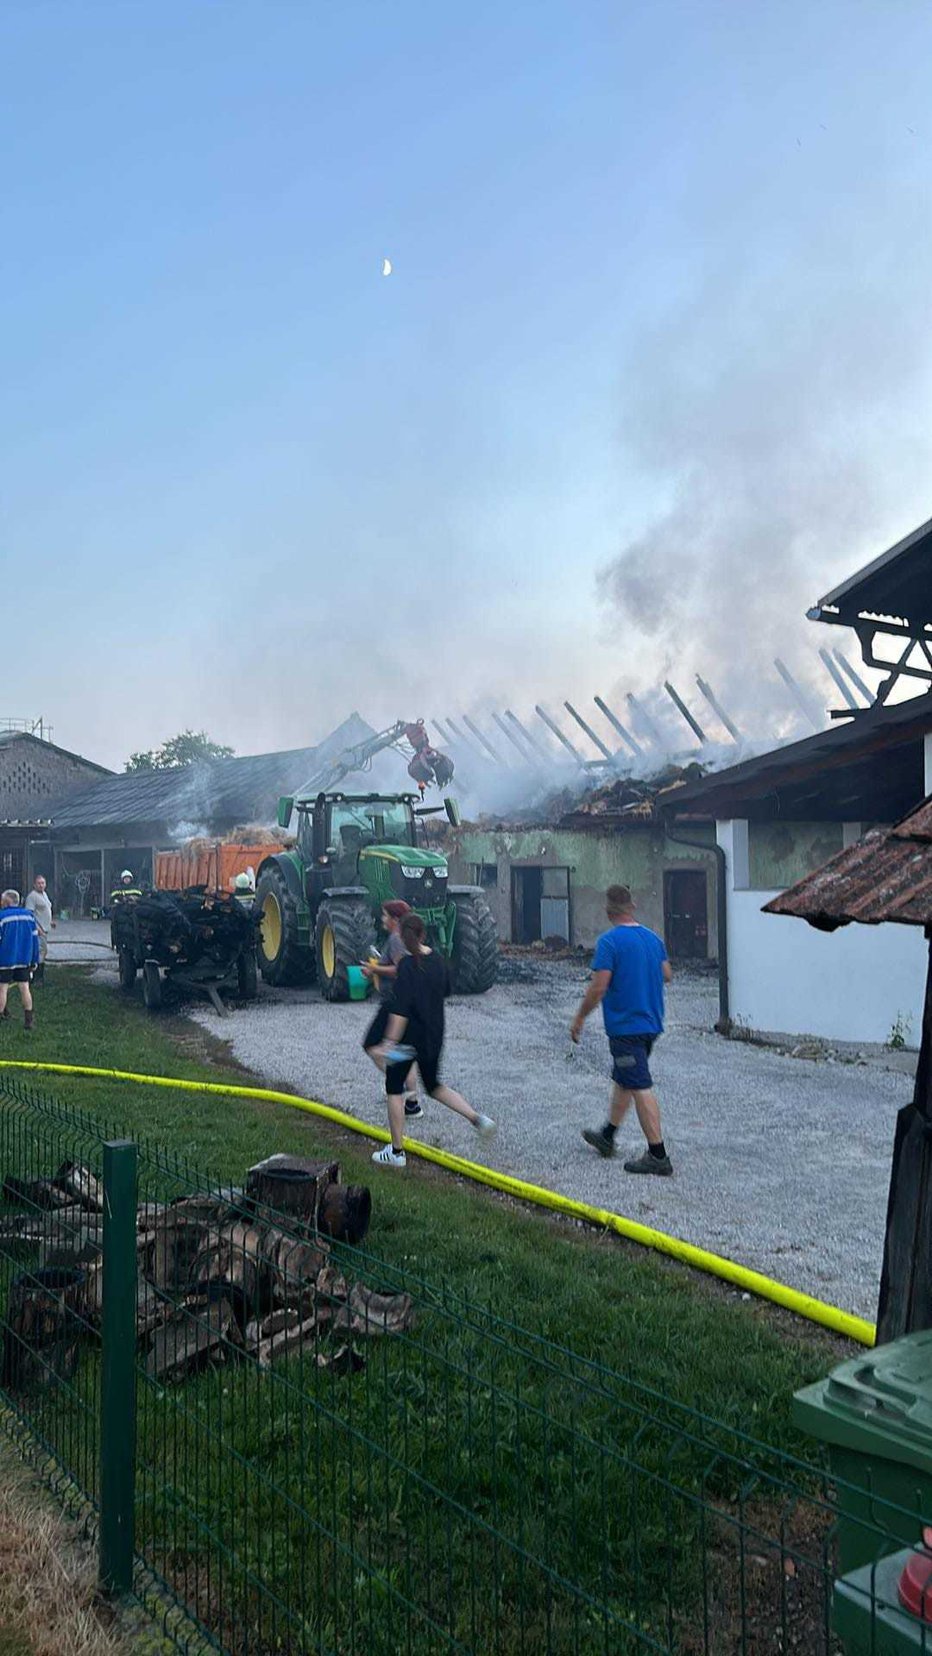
281,957
344,936
474,962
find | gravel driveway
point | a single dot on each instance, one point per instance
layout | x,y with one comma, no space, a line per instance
81,942
781,1163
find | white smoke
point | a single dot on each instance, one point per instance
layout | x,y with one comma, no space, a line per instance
769,415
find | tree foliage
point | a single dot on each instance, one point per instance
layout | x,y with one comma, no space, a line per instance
189,747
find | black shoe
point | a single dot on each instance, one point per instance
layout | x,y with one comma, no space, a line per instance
650,1164
413,1109
599,1139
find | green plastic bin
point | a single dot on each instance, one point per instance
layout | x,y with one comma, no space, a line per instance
357,983
867,1614
875,1414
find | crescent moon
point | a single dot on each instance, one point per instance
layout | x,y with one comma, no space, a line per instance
386,267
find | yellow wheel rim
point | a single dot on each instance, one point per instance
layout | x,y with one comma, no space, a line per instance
328,952
270,931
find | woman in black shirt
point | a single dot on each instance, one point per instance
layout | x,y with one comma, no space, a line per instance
422,984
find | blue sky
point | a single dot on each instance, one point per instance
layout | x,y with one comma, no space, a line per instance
659,306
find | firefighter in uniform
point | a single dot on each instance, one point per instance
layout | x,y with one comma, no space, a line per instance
127,888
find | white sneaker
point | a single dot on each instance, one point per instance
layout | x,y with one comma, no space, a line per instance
388,1157
485,1127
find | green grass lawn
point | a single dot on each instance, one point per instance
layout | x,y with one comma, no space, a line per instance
446,1496
612,1301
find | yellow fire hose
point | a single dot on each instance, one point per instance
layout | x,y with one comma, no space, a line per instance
750,1282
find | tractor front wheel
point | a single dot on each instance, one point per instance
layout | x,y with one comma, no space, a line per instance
344,936
474,962
127,969
281,957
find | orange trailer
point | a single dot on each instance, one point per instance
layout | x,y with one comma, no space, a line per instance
212,864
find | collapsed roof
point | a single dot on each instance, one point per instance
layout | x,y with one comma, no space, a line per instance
611,804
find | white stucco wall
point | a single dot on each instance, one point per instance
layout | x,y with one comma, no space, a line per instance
847,985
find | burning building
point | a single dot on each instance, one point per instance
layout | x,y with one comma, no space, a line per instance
545,871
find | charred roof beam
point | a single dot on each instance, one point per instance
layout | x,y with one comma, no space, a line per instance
465,742
802,700
587,729
527,753
717,708
841,683
483,739
855,677
681,707
557,732
616,724
540,751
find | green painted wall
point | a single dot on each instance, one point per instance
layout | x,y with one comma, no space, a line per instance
636,857
780,853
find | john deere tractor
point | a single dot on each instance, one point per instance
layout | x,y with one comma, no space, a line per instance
320,902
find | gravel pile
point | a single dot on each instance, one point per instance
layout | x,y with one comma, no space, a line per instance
781,1163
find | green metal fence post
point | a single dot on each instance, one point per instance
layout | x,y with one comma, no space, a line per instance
118,1370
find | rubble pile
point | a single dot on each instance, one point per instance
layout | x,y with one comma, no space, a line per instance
626,795
221,1275
634,794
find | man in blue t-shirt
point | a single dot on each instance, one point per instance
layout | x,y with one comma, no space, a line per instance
629,970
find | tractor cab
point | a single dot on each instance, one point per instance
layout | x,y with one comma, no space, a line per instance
340,826
334,828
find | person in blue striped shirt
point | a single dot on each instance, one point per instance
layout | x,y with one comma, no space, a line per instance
19,952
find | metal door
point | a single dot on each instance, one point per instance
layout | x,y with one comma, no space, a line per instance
685,911
555,903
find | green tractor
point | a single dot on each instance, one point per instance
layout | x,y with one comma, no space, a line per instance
319,903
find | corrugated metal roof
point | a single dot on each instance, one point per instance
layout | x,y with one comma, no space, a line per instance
225,790
886,876
897,585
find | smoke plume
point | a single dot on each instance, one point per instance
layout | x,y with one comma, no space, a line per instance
769,415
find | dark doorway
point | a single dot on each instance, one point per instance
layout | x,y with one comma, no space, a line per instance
540,904
685,914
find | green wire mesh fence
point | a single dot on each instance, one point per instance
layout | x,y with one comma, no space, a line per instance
309,1450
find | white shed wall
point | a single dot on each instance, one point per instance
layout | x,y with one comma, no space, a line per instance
787,978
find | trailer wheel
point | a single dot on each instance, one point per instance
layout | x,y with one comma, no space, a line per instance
152,986
247,975
127,969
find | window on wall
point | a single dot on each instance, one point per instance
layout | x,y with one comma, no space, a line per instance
11,868
485,875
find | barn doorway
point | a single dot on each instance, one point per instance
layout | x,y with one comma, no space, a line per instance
685,913
540,904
